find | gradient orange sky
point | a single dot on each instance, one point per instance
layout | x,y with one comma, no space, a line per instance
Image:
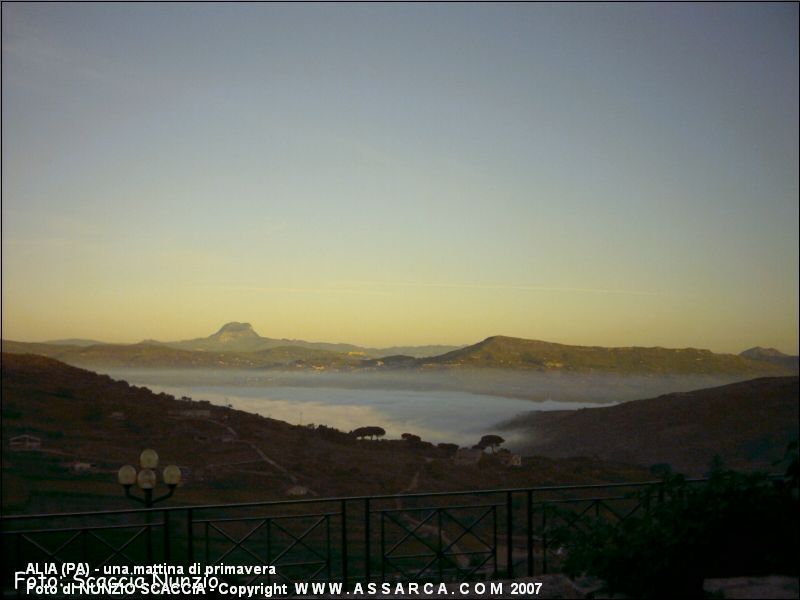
384,174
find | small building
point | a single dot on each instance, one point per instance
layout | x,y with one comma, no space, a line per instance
25,442
507,459
191,413
465,457
80,467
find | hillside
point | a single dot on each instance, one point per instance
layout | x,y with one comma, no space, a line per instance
749,424
227,455
518,353
238,346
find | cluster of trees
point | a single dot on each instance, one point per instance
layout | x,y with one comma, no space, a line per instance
371,431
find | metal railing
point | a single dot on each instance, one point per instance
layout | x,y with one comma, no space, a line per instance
443,536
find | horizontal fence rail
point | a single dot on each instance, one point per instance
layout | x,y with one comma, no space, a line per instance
441,536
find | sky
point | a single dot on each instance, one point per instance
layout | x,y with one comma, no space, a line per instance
615,175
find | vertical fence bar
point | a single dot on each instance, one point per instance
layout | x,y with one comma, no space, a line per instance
529,504
167,550
439,554
494,539
189,537
269,547
544,539
327,547
84,546
344,543
366,541
509,536
149,536
383,547
208,547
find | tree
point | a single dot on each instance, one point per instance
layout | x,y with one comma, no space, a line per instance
410,437
371,431
490,441
447,447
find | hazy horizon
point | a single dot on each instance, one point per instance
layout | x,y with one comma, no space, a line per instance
341,341
402,174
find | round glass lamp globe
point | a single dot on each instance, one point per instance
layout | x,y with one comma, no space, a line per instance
172,475
126,475
148,459
146,479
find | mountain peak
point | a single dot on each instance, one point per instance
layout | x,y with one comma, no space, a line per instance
760,352
235,330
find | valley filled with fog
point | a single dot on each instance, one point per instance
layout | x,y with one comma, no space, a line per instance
456,406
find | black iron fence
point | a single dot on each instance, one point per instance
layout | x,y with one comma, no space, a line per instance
458,536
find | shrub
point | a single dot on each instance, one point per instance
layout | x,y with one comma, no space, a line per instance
734,525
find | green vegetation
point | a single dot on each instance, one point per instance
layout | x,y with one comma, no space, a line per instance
237,346
736,525
517,353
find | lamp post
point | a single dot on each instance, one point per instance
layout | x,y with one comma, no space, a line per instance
145,478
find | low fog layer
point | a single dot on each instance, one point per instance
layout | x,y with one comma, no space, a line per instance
563,387
442,406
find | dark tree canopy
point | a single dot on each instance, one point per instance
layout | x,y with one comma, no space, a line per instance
490,441
410,437
370,431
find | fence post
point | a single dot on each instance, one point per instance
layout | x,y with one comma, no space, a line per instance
344,543
509,536
529,502
189,537
167,553
544,538
149,534
439,554
366,540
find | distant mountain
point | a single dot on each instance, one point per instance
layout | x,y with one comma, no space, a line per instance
160,356
748,424
241,337
773,356
50,350
237,345
517,353
74,342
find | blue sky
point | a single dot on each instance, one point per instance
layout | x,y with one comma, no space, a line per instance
381,174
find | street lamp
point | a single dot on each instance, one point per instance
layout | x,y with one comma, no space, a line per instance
145,478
